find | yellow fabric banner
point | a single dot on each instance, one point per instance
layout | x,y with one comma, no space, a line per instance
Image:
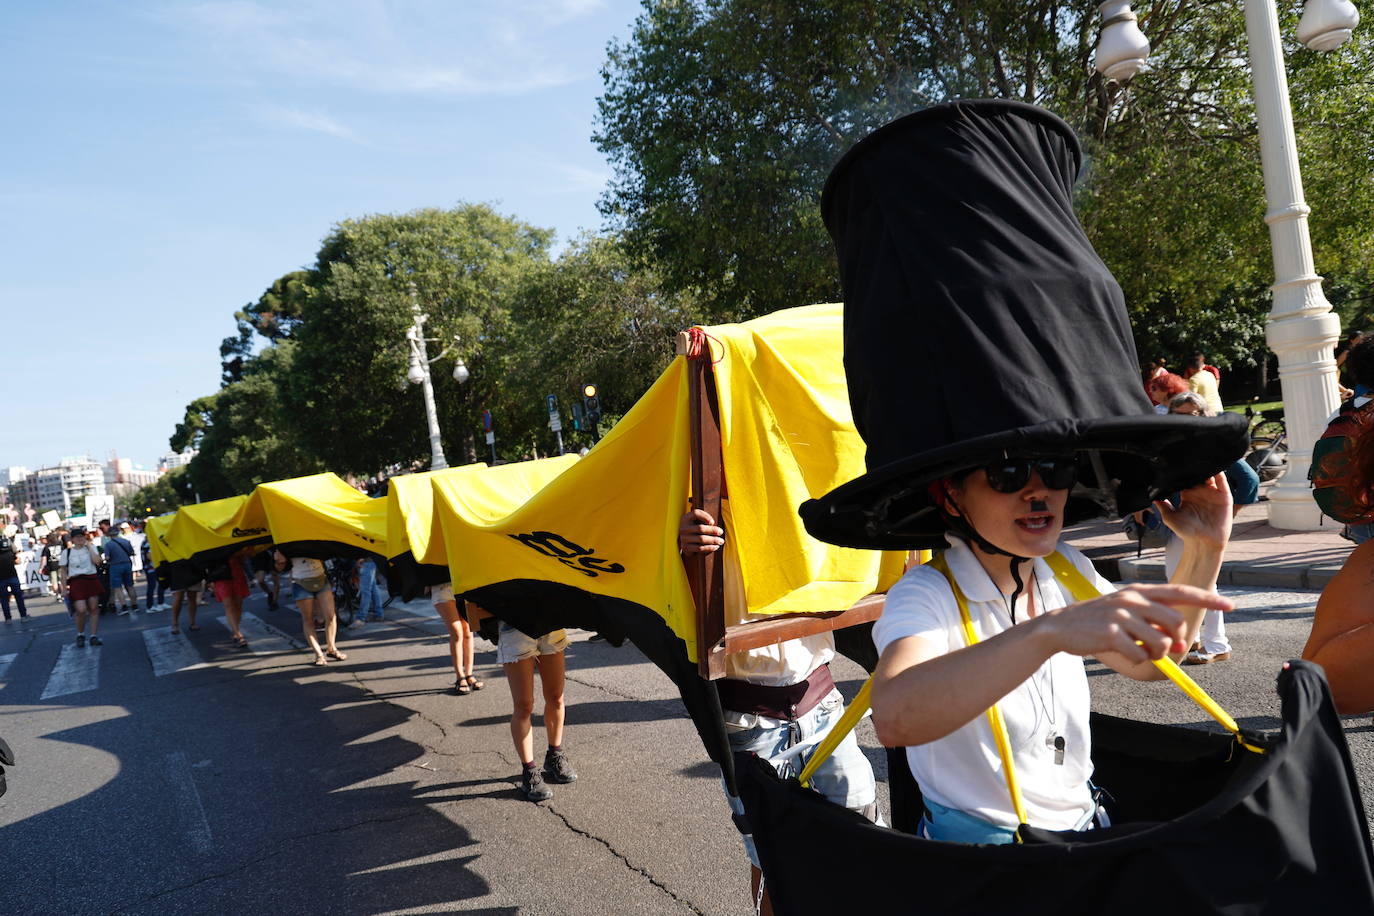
322,507
162,550
216,527
609,525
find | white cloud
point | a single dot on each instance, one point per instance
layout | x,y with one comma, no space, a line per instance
476,48
578,179
297,118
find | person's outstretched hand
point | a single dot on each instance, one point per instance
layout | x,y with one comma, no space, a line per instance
698,533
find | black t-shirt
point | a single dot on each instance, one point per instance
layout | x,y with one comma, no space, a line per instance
7,561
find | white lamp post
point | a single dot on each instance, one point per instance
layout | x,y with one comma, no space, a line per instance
1301,329
418,374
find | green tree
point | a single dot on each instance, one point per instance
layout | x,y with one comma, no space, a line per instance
272,318
592,316
168,493
722,119
247,435
347,394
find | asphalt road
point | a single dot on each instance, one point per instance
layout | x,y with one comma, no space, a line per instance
255,782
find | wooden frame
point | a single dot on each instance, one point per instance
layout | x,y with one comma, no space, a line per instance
705,571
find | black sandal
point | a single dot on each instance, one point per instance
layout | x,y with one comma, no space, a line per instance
474,683
461,688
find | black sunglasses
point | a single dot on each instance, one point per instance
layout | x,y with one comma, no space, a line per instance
1012,474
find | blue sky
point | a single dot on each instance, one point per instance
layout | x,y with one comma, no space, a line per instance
164,162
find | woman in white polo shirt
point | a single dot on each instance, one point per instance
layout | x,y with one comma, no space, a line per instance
931,688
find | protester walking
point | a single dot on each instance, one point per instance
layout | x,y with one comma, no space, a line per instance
155,595
80,577
190,595
310,588
370,595
231,586
9,579
520,656
460,648
119,560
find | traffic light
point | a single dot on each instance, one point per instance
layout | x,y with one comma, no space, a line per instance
579,420
592,403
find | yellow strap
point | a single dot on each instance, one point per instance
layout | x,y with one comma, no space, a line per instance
999,728
857,707
1082,590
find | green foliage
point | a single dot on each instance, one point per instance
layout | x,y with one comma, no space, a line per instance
593,316
723,117
348,394
273,317
168,493
249,437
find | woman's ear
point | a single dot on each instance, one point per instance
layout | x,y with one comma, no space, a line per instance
952,495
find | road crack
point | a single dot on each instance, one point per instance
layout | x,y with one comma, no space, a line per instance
623,858
269,853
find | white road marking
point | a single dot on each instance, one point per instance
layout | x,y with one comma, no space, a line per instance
170,652
184,787
263,638
5,661
77,670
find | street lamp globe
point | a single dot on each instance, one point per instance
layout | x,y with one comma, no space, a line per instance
1327,24
1122,48
416,374
461,373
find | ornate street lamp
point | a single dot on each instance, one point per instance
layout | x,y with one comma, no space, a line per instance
418,374
1301,330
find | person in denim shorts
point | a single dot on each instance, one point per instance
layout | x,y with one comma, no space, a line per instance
797,673
520,655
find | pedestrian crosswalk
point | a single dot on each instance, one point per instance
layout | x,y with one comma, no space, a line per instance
77,670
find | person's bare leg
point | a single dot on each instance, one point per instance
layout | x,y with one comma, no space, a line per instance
520,677
454,624
176,611
93,613
551,675
306,607
192,598
331,624
80,607
233,611
468,651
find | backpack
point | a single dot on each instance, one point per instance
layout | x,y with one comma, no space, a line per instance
1330,457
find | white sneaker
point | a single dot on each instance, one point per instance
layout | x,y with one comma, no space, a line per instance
122,612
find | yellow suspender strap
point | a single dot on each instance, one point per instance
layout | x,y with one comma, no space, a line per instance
999,728
1081,589
857,707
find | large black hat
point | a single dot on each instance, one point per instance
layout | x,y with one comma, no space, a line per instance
979,322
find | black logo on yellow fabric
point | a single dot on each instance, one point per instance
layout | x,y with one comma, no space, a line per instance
569,554
247,532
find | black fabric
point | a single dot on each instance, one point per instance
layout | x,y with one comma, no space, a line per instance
412,577
1201,826
979,322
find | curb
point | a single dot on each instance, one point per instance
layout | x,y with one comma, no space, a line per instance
1250,575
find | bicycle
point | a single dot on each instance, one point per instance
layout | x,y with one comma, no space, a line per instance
1268,452
342,582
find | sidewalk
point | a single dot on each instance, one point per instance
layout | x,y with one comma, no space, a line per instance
1258,555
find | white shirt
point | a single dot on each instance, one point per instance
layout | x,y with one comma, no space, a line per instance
78,561
963,769
306,568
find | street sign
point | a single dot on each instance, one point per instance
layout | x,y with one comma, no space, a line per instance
491,438
555,424
552,402
486,423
